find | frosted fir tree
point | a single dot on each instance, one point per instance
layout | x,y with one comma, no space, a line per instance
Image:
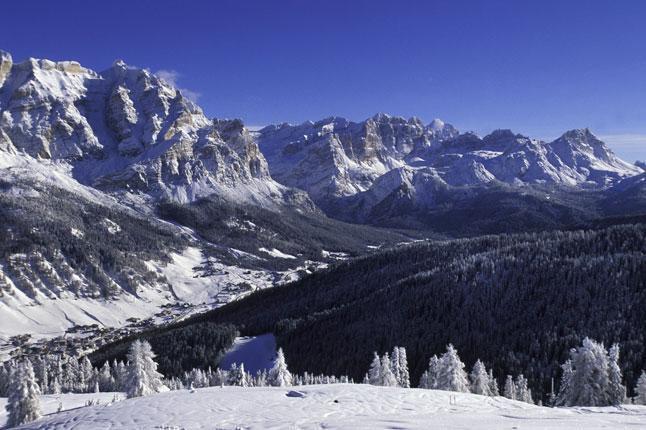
567,373
424,381
386,376
510,388
261,379
106,380
44,379
23,404
404,375
640,390
451,374
279,376
55,386
433,369
589,382
239,376
616,390
71,375
374,373
523,393
480,379
86,385
394,364
493,385
57,374
4,379
142,376
120,375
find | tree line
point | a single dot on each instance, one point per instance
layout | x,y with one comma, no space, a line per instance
590,377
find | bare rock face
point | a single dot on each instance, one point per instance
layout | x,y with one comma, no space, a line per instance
126,130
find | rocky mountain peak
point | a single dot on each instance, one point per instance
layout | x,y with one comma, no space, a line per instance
127,130
500,134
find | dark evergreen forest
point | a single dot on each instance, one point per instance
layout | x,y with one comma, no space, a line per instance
178,349
518,302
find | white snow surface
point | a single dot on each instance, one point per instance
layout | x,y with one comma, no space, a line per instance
255,352
50,403
339,406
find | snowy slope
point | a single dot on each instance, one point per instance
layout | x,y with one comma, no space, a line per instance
50,404
255,352
335,407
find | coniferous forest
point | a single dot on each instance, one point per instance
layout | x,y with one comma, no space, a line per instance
518,302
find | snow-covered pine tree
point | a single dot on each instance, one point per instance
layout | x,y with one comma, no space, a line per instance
55,387
386,376
106,381
57,374
510,388
480,379
424,381
433,369
589,382
23,404
374,373
71,372
4,379
44,379
404,375
616,390
142,376
562,398
261,379
493,385
523,394
279,376
239,376
394,364
640,389
86,385
451,374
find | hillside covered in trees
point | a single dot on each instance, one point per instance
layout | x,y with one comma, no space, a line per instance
518,302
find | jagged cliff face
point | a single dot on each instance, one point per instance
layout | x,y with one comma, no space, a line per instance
336,158
125,129
355,167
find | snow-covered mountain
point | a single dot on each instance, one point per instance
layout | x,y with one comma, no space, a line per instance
335,157
125,129
352,168
103,178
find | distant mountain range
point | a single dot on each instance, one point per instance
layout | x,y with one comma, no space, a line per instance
117,190
396,172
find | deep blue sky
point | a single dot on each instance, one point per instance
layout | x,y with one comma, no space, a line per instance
537,67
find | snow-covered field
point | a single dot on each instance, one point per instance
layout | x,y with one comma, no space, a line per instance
255,352
50,404
341,406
